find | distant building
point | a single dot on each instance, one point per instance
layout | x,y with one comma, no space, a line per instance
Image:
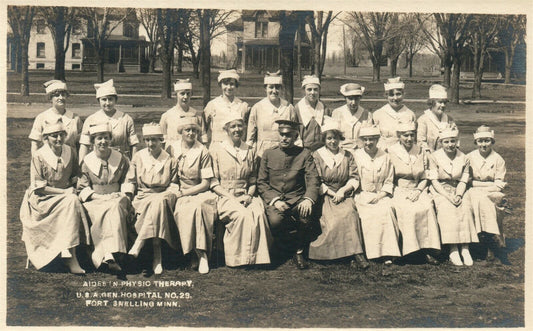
124,49
253,42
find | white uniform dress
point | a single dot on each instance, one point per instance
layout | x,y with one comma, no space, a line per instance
488,216
52,223
262,130
388,119
154,202
217,111
417,220
456,223
379,225
172,119
111,219
194,214
429,126
351,124
247,237
71,122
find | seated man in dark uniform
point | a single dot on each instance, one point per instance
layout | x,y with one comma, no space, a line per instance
288,182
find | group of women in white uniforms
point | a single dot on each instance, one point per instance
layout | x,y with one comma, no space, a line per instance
391,185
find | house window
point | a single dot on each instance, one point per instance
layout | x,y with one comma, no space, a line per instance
76,51
40,26
40,50
261,29
130,30
76,66
39,66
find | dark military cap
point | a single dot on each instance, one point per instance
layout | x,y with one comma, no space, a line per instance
287,126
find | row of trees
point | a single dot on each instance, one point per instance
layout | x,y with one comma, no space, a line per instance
450,36
188,32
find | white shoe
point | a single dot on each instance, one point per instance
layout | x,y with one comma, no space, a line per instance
465,252
203,264
455,258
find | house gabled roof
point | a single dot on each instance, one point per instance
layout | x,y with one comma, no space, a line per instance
251,14
236,25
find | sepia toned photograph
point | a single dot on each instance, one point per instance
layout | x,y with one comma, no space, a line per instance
172,166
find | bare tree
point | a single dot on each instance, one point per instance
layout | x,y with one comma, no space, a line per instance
21,19
483,31
100,24
205,16
396,44
414,41
289,23
436,43
373,29
167,25
319,26
148,19
60,21
510,34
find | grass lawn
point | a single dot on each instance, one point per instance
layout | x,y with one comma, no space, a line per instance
251,85
326,295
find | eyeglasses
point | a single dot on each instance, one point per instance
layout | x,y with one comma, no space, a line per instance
60,94
57,134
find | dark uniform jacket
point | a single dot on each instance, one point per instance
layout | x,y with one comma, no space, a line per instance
288,175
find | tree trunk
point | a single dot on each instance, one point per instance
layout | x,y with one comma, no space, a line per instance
478,71
205,56
376,71
166,91
180,58
447,64
59,45
100,65
393,67
456,76
286,42
152,62
18,57
24,74
316,56
509,55
411,66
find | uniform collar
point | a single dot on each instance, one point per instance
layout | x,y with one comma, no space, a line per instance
307,112
182,113
393,113
451,167
331,160
369,162
283,106
150,162
66,117
192,154
52,159
406,156
94,163
433,118
347,114
238,153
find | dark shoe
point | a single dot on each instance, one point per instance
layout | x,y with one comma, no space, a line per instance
490,256
361,262
300,262
114,267
431,260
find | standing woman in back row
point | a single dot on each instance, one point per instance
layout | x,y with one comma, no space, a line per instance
310,112
389,116
124,138
434,119
224,106
262,127
57,92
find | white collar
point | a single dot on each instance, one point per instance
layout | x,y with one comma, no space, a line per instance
433,118
192,154
369,162
50,158
94,163
347,114
393,113
331,160
239,153
66,117
283,106
406,156
149,162
451,167
307,112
